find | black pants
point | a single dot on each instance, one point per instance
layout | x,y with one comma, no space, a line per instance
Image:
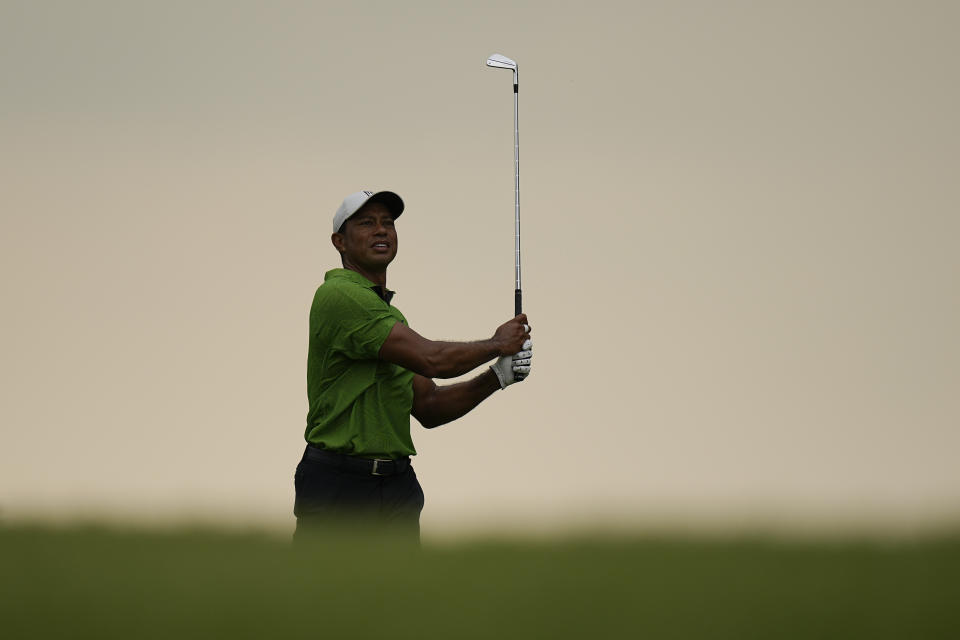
339,499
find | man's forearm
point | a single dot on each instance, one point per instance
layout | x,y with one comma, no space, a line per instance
452,359
433,359
445,404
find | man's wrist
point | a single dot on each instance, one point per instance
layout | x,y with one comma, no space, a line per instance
496,347
490,380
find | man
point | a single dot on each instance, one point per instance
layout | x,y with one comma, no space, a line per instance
368,372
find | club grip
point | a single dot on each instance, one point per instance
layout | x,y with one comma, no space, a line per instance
517,302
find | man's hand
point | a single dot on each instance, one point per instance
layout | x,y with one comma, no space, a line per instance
515,368
511,335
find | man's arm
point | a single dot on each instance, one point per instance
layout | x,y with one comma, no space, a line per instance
434,406
433,359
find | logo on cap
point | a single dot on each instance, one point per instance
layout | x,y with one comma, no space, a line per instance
369,193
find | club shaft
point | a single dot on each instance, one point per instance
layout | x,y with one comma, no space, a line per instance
516,192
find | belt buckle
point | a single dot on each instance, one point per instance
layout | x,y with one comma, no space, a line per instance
376,463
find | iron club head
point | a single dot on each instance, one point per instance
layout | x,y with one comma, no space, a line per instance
502,62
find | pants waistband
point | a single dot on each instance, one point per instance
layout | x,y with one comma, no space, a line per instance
362,466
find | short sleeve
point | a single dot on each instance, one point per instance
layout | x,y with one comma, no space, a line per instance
357,324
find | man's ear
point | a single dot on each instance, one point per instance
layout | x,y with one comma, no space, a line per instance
337,240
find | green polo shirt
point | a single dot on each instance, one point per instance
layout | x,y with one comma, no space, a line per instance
359,404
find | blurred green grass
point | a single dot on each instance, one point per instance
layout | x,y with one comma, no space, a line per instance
102,582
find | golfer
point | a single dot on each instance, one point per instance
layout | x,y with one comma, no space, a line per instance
368,372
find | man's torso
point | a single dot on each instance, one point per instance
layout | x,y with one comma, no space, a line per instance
359,404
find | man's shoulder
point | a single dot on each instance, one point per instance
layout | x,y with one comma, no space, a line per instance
351,294
332,288
337,283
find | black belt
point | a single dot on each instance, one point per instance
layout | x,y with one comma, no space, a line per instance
365,466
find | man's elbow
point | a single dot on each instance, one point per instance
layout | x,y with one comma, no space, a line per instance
426,420
433,365
429,368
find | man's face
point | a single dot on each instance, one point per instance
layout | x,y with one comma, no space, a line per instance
368,239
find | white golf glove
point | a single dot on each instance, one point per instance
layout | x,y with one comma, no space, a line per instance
510,369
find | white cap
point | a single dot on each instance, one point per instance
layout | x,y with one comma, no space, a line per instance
356,200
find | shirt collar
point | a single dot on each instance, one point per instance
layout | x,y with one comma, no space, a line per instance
348,274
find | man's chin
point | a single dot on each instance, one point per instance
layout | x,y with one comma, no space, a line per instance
379,262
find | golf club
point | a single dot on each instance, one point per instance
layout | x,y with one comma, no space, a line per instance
502,62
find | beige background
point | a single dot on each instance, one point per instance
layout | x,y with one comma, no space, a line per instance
740,252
